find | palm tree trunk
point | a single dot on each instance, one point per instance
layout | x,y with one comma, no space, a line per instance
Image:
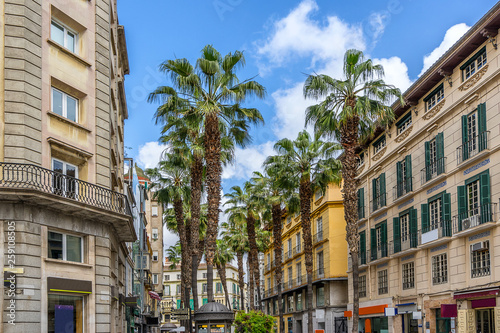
276,214
196,183
222,274
181,230
239,257
212,156
254,262
251,282
305,194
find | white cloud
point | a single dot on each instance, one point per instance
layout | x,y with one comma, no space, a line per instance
452,35
396,72
377,23
248,160
149,154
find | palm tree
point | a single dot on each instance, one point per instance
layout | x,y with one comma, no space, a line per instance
173,254
311,165
214,93
223,255
351,107
276,194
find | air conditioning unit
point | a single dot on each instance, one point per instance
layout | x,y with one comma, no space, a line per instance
479,246
470,222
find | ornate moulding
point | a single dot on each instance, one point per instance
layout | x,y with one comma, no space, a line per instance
432,112
473,79
404,134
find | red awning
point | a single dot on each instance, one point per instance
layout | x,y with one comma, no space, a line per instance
448,310
476,293
154,295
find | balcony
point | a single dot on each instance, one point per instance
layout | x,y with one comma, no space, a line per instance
288,254
406,242
433,170
435,234
361,212
402,188
362,257
381,252
297,250
473,147
378,202
42,186
475,220
318,237
319,273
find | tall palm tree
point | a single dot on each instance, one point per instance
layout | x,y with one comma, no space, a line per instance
213,92
310,163
223,255
277,196
352,107
173,254
234,234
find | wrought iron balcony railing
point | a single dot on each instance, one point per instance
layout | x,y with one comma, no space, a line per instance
473,146
436,231
381,252
319,273
288,254
474,217
318,237
29,176
297,249
378,202
404,242
433,170
403,187
361,212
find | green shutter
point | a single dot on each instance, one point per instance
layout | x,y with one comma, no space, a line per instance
486,212
382,190
399,180
413,228
361,203
373,244
465,152
204,301
396,227
362,247
374,194
440,153
384,239
462,205
409,185
178,304
481,115
425,218
427,161
191,304
446,215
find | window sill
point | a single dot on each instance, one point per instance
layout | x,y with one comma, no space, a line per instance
66,120
435,180
403,197
433,111
473,159
65,262
68,52
473,79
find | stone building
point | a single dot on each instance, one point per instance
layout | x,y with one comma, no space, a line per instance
65,216
329,268
428,199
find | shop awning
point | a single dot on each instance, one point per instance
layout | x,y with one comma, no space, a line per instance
448,310
476,293
372,309
154,295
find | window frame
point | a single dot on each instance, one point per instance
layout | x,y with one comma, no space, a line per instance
383,282
66,30
403,124
154,211
439,270
64,105
481,54
434,97
379,144
154,233
477,258
362,286
153,278
157,256
64,246
408,275
83,298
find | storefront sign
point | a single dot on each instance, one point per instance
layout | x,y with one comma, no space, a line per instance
406,308
417,315
372,309
68,285
476,293
390,312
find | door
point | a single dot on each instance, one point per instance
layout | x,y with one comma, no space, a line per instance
340,325
484,321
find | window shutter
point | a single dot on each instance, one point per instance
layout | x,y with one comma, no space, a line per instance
362,247
427,161
408,174
446,215
462,205
382,189
374,193
465,152
361,203
486,212
413,228
397,234
384,239
373,244
481,115
399,176
425,218
440,153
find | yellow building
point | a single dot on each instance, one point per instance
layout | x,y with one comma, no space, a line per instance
330,268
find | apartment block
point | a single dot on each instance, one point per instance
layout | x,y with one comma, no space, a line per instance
429,187
66,216
329,271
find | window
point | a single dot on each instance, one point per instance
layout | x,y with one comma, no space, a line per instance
440,269
290,277
480,259
382,282
378,192
289,247
297,241
166,277
155,255
408,275
290,303
404,123
437,215
361,159
269,285
178,290
288,219
218,287
320,264
320,296
362,286
155,278
268,258
362,248
474,64
178,276
299,273
434,158
204,288
154,211
65,311
299,302
474,133
319,228
404,177
64,180
474,202
65,247
318,194
379,241
204,275
64,105
434,97
155,233
361,203
405,230
379,145
63,36
166,290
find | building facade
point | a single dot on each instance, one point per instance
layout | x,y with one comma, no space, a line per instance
330,267
428,199
65,216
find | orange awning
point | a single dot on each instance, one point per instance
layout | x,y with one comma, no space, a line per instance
372,309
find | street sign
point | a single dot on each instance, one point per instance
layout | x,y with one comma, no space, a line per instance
180,314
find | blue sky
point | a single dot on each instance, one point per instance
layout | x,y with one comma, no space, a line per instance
283,41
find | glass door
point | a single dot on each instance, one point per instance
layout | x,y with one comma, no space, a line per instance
484,321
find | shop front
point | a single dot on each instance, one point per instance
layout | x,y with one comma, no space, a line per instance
409,317
372,319
477,310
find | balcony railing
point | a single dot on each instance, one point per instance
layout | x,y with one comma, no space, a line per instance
405,242
288,254
29,176
473,147
378,202
433,170
402,188
297,249
362,257
475,217
436,231
318,237
361,212
381,252
319,273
